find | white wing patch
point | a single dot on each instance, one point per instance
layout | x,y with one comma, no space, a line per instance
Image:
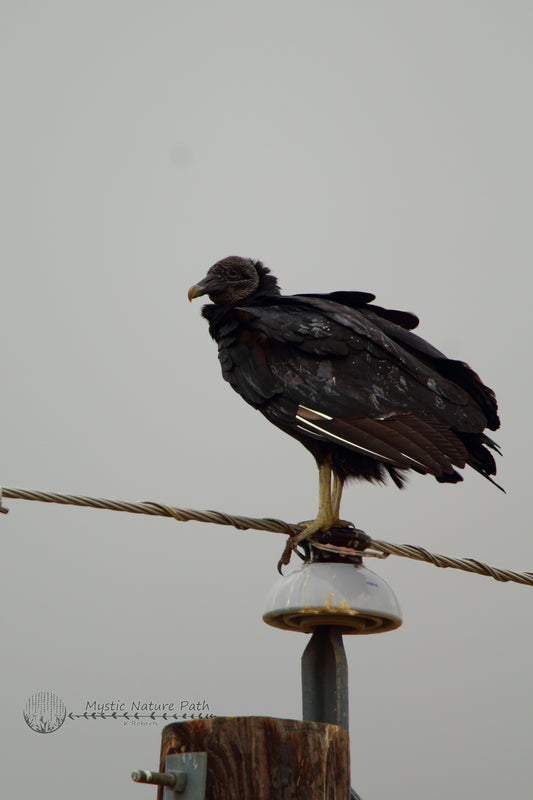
401,440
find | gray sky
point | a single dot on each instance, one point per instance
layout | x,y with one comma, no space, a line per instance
381,147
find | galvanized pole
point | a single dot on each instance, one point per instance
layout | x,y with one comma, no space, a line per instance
325,678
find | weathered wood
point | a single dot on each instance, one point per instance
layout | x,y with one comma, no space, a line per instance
264,758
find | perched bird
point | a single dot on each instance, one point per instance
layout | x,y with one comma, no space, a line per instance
348,379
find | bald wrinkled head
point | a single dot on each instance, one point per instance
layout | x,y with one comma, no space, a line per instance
228,281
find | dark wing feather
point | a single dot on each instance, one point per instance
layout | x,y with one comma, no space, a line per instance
405,319
373,387
456,371
401,440
376,368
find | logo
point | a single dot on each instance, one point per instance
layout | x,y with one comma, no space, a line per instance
44,712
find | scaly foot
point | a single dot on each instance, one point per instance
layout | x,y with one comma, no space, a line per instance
323,522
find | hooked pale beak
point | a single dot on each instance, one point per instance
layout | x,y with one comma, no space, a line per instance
196,291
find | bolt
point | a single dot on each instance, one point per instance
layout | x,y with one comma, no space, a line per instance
173,780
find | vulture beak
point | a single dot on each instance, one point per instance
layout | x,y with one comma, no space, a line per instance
196,291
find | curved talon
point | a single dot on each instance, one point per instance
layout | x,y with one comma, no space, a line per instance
287,553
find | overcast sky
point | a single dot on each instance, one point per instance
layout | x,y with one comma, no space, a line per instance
373,146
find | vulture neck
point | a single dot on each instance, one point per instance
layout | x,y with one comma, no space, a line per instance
267,287
266,290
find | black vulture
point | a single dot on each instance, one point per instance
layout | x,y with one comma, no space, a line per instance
349,380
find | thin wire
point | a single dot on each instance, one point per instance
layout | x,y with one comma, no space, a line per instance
380,549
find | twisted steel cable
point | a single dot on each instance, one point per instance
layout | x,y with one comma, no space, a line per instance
379,548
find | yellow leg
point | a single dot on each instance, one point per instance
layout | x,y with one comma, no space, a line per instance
328,511
326,517
338,485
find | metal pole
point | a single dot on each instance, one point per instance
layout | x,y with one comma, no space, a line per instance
325,678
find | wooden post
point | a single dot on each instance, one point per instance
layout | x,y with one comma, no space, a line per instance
264,758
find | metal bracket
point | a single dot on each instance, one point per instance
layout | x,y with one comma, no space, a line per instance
184,777
194,765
